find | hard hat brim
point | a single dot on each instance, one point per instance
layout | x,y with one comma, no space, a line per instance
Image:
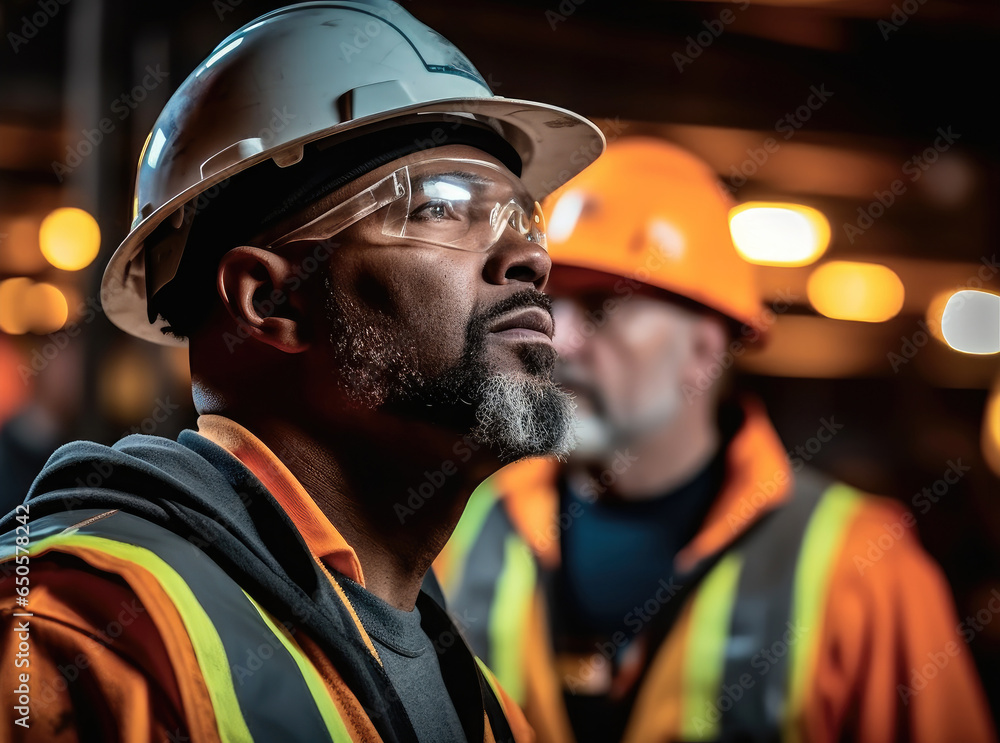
554,145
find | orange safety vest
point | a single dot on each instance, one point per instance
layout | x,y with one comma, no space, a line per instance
260,684
742,658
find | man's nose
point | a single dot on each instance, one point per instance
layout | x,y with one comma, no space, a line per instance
515,259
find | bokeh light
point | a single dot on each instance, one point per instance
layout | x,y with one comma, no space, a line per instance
779,234
127,383
46,308
19,253
848,290
69,238
991,430
26,306
970,322
14,317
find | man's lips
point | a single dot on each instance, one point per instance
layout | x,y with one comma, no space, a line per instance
529,323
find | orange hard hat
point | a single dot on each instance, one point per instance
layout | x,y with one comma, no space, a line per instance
652,212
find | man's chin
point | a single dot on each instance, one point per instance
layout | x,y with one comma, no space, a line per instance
594,437
532,359
524,415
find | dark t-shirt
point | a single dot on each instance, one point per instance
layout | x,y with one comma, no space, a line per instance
411,662
617,556
617,553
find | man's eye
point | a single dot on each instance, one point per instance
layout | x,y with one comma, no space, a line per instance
433,211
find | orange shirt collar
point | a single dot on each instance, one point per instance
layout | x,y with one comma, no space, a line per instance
321,537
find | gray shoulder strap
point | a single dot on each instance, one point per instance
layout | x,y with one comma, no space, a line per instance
761,620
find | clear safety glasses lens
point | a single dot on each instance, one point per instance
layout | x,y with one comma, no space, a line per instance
448,202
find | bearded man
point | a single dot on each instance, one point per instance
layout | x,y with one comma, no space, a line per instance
349,242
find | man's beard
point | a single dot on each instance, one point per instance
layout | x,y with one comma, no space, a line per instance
516,415
600,432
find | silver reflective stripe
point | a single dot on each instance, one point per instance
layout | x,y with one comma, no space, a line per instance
756,673
482,567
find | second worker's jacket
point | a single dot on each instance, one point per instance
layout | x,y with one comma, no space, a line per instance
802,610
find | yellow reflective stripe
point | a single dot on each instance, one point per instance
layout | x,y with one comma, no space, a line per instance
464,536
490,678
705,658
820,545
495,686
492,681
205,640
509,617
317,687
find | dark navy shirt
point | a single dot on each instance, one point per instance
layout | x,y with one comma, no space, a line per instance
617,554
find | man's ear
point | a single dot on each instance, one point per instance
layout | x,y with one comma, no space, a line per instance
709,338
263,295
709,341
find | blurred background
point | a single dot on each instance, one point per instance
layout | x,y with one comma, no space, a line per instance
874,114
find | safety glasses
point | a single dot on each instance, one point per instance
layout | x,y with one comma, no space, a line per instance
449,202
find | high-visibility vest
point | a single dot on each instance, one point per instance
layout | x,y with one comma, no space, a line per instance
222,622
764,592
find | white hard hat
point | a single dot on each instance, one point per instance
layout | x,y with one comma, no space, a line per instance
297,75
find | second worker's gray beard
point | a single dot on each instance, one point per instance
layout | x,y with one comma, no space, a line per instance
521,417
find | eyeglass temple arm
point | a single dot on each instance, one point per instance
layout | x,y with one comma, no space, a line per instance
350,211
